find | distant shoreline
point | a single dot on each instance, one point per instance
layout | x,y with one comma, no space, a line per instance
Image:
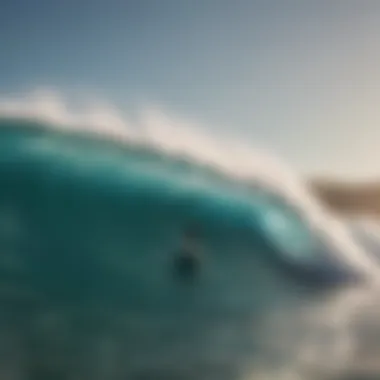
348,197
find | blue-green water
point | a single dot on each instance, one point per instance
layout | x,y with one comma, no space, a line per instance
89,233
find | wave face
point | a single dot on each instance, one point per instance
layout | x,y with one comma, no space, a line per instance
90,231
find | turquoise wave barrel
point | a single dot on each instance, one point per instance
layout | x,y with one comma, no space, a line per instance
89,234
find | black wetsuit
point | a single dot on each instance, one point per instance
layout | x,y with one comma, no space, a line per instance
186,265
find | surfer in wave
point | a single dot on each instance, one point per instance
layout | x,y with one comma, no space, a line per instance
187,261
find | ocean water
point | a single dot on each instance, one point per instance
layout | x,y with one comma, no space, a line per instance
90,230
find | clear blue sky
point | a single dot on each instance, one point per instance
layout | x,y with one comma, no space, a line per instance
301,76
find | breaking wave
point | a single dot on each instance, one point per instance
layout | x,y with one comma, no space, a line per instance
92,212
